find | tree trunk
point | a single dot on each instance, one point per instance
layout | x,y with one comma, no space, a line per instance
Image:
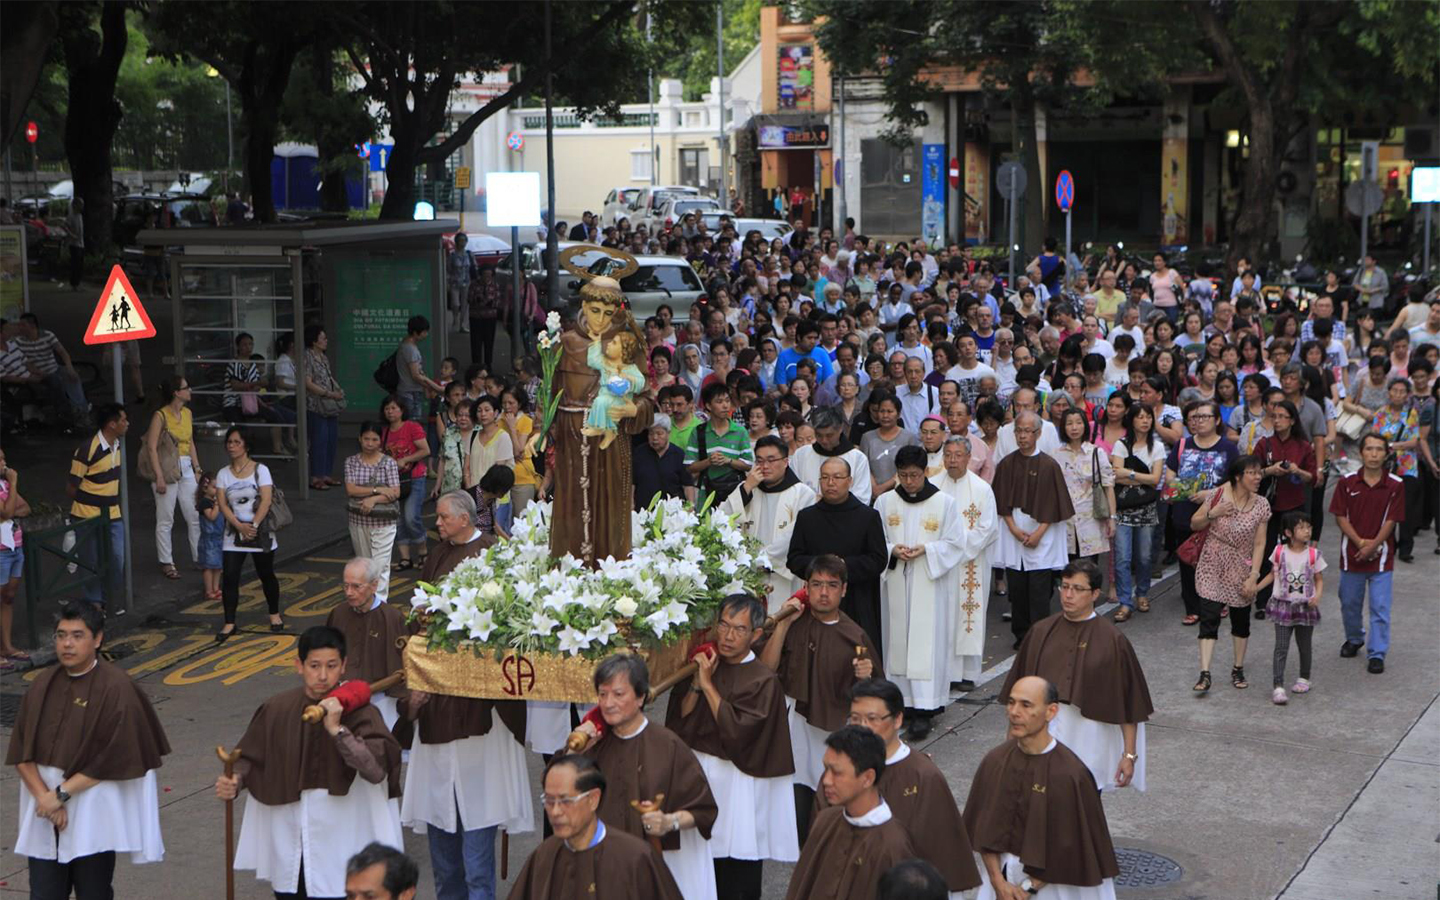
331,144
92,63
400,176
1027,139
29,29
262,86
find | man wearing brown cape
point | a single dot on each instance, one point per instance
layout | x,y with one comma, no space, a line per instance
1032,501
1104,699
1034,812
591,515
584,858
86,746
467,776
914,787
858,838
732,714
373,630
308,811
655,788
818,653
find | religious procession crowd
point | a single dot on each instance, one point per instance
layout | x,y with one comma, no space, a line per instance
907,440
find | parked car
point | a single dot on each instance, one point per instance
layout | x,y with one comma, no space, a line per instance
659,279
769,228
648,202
674,209
617,204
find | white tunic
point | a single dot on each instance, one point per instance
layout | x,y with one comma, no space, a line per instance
547,725
484,778
123,816
770,519
322,829
692,865
917,598
757,815
1100,745
806,462
807,743
1051,553
975,502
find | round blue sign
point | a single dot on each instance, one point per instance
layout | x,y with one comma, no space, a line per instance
1064,190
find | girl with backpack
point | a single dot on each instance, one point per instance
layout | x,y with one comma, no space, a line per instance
1295,604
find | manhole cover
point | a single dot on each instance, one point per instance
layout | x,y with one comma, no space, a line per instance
1141,868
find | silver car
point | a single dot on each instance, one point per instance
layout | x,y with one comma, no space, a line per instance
769,228
658,280
648,202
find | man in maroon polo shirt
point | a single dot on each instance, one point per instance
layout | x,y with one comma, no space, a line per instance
1368,506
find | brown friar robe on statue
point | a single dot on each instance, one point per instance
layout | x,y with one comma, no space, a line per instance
100,725
653,762
590,518
1035,485
1045,809
920,798
619,866
750,732
1091,664
371,649
844,858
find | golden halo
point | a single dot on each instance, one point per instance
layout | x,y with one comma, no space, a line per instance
615,263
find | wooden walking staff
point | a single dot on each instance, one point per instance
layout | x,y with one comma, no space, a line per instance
229,759
647,806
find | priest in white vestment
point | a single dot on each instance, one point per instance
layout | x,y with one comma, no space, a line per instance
765,507
924,536
831,441
975,503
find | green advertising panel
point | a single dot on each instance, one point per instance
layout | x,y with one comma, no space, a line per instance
375,297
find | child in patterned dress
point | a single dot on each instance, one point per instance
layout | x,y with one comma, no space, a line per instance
1294,606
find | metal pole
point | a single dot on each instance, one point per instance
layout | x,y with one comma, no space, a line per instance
9,185
1011,203
1364,239
302,394
650,91
117,354
229,141
720,125
1425,265
552,239
1069,276
517,299
834,157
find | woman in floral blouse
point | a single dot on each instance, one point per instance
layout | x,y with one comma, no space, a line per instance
1399,421
1079,459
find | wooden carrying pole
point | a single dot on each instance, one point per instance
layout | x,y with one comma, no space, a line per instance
316,713
229,759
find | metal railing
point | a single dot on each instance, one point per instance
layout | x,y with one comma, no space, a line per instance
53,571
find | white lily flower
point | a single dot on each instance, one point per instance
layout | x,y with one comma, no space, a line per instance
542,625
482,625
552,321
573,641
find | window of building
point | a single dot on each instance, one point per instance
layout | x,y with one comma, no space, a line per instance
640,164
695,166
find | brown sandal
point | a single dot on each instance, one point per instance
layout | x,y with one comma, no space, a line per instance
170,572
1122,614
1142,604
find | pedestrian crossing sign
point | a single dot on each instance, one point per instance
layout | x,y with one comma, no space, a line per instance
118,314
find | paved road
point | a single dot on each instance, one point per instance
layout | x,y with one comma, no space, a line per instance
1244,797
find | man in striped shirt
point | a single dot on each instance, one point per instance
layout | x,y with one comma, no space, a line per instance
47,357
94,489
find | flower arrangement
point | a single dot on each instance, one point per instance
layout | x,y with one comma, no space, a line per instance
517,597
547,398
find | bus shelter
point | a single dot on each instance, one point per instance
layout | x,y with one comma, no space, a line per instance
360,281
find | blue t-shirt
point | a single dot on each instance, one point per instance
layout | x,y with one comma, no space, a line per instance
789,357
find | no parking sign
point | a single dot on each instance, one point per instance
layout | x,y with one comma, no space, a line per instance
1065,190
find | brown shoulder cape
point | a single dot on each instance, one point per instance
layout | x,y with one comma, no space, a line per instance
620,867
1034,485
1046,810
280,756
370,649
920,798
444,719
752,730
1091,664
816,667
653,762
843,861
100,725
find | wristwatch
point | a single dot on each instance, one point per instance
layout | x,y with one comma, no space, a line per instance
1029,887
341,732
1132,757
62,795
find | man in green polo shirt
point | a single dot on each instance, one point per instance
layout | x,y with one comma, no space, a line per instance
681,407
718,453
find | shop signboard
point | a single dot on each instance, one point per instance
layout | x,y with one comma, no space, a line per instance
795,77
932,192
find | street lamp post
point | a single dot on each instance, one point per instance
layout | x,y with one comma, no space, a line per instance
213,72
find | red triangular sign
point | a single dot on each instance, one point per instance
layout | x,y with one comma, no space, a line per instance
118,314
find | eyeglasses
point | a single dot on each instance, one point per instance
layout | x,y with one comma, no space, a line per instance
832,585
768,460
1200,416
553,802
727,628
872,719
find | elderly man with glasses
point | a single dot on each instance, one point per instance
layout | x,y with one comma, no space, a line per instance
765,506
